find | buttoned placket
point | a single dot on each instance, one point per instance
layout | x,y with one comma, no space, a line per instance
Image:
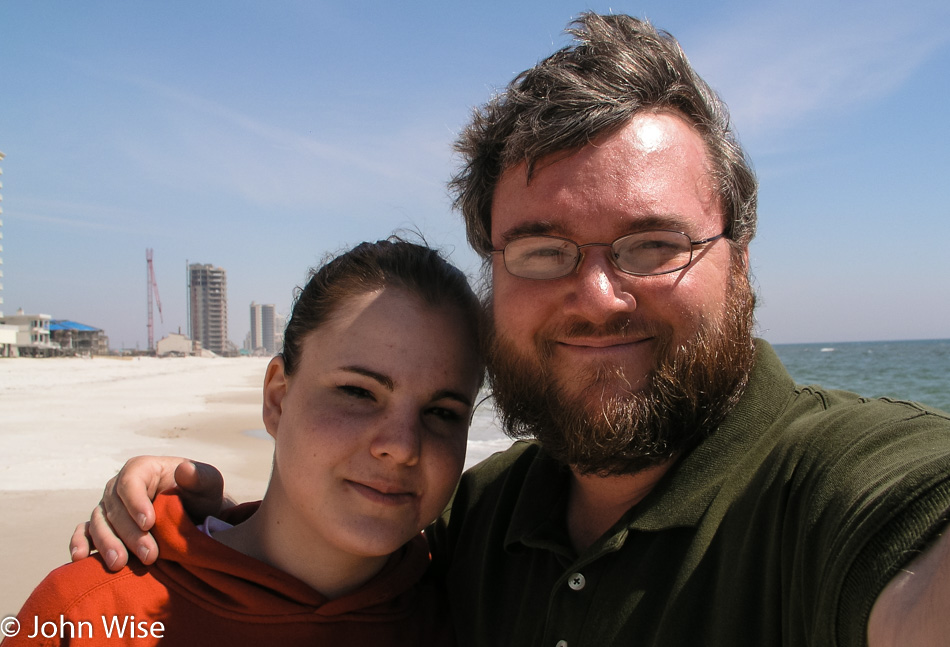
574,584
575,592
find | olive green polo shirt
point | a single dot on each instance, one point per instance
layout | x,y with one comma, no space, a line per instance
778,529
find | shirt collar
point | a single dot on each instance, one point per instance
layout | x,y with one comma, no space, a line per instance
537,520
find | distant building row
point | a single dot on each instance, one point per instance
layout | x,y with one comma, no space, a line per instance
25,335
39,335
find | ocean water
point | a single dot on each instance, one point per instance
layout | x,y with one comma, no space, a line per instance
485,436
906,370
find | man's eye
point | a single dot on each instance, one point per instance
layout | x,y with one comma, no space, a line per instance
545,253
654,244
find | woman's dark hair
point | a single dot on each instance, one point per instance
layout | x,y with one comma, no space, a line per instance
367,267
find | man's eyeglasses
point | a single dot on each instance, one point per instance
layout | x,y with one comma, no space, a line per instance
644,253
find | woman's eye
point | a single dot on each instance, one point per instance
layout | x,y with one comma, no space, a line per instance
445,414
355,391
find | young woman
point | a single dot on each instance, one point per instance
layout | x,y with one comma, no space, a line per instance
369,405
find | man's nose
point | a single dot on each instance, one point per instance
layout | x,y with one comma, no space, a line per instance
601,291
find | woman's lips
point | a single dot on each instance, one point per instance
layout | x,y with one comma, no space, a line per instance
392,494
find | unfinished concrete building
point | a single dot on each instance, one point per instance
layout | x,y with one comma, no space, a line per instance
208,307
78,339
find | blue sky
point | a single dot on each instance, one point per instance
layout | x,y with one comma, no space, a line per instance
259,136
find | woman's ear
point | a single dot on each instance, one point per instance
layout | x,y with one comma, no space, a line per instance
275,388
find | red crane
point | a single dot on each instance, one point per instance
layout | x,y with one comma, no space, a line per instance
152,286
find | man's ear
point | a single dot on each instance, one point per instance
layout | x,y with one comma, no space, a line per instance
275,388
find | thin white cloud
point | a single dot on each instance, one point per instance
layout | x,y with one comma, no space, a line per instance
213,145
202,143
273,136
76,215
778,66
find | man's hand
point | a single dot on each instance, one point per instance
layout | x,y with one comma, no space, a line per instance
125,513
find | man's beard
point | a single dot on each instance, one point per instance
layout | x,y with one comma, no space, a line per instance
607,428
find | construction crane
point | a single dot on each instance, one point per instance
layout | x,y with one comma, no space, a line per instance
151,287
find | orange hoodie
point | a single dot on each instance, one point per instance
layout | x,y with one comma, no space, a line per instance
200,592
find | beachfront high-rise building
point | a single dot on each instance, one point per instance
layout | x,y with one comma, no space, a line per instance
263,328
280,326
268,320
9,334
208,307
1,236
255,338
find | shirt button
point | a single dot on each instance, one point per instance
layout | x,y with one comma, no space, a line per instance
576,582
561,643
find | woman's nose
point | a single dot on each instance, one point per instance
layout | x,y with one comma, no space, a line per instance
398,437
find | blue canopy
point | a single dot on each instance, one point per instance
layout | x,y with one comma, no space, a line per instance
63,324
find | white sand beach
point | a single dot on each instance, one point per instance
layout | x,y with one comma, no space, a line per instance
67,425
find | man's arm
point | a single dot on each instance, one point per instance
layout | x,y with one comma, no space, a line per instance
125,513
913,610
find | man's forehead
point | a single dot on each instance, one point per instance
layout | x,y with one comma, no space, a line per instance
651,173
